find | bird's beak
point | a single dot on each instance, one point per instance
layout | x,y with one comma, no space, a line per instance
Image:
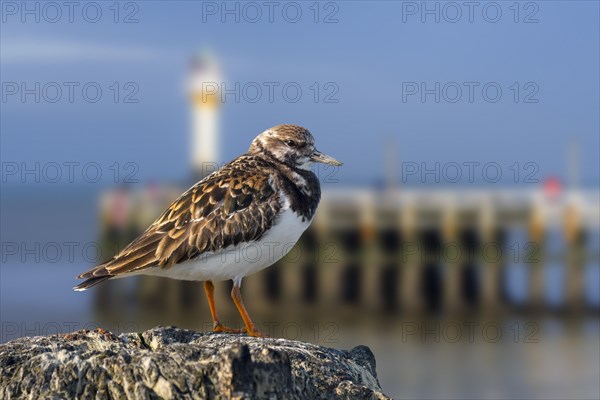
319,157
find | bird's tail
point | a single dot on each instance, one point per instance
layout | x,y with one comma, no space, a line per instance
88,283
93,277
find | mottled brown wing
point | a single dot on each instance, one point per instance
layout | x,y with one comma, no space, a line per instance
225,209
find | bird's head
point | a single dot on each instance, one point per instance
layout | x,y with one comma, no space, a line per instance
292,145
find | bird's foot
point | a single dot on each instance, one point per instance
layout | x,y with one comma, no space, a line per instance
252,331
220,328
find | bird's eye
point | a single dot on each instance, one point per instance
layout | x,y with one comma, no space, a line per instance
290,143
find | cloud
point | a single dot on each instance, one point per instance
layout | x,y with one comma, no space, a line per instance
28,50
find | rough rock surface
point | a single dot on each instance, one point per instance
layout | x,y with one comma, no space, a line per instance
174,363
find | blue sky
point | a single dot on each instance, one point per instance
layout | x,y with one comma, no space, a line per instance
372,55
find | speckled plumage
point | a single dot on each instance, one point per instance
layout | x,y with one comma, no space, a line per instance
237,204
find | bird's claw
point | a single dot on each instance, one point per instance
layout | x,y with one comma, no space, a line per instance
220,328
254,332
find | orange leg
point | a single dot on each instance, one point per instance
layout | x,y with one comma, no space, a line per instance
209,289
251,330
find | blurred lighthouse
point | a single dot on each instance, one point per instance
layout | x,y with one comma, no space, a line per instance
204,86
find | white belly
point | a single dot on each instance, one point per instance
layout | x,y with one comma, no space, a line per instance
245,259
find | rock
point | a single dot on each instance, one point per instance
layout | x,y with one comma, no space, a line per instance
174,363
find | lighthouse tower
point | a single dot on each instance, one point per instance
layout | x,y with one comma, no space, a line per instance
204,86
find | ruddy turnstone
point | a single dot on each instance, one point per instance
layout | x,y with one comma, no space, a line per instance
263,199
